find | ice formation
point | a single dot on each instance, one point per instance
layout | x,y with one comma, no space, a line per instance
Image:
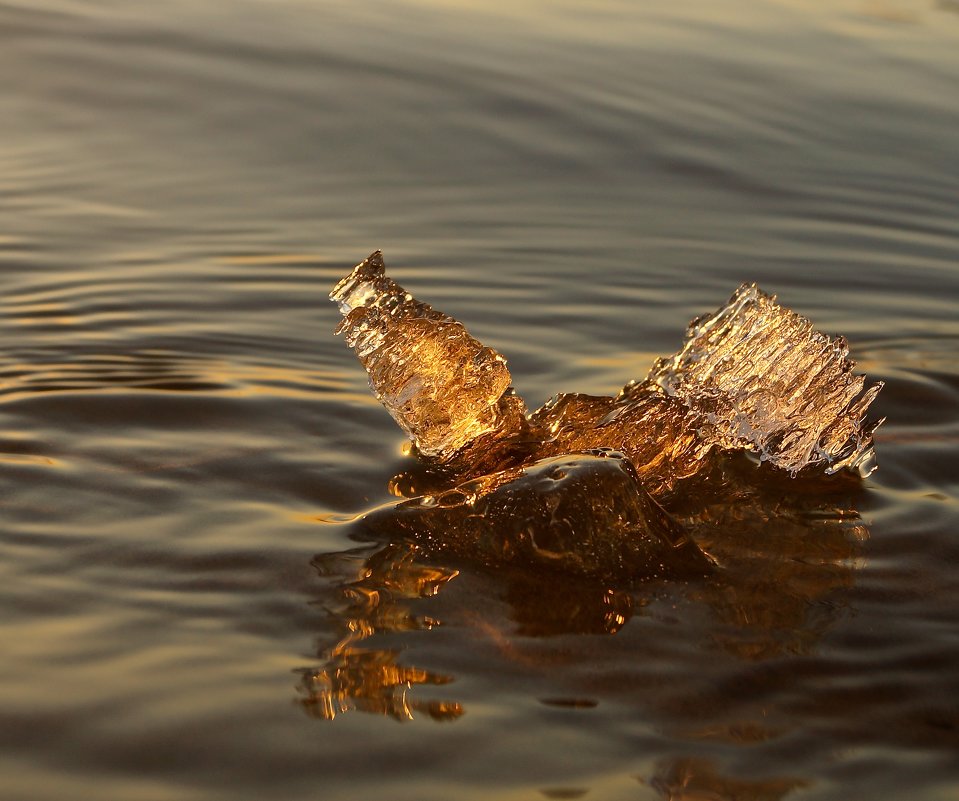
446,390
758,376
752,376
542,487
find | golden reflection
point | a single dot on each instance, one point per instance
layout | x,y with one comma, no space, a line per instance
29,458
785,550
374,601
542,607
40,314
371,681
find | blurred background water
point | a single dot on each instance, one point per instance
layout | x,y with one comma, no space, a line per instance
182,438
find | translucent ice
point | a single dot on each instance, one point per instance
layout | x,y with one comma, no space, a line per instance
649,427
448,392
752,376
758,376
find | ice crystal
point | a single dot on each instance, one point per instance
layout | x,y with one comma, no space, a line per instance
758,376
445,389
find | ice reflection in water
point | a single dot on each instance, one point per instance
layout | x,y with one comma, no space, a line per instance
357,676
781,559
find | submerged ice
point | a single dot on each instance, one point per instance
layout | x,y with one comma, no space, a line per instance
753,376
583,513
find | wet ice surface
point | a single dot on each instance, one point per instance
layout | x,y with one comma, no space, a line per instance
447,391
583,513
754,377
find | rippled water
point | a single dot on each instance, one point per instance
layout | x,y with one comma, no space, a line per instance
182,439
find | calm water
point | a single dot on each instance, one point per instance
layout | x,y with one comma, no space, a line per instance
181,437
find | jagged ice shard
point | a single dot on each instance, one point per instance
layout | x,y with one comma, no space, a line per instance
757,376
446,390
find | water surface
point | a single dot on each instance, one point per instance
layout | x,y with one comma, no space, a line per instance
181,437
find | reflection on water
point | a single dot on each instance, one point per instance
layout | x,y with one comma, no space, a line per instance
785,548
357,676
785,552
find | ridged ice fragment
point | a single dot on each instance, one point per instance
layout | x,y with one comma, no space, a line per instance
757,376
445,389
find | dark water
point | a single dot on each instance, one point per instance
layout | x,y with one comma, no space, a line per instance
181,436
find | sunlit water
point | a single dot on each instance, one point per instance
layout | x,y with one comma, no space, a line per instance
182,438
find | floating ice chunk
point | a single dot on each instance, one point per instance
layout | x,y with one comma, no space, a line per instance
759,377
445,389
752,376
584,514
572,485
